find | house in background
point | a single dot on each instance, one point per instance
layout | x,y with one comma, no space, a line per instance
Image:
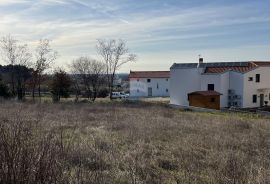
149,83
240,84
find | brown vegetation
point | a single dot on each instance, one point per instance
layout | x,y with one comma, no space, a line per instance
130,143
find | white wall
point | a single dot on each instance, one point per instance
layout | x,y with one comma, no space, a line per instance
139,87
210,79
236,84
224,88
184,81
187,80
251,87
221,82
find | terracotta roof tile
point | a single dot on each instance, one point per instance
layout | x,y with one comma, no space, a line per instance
242,69
149,74
223,69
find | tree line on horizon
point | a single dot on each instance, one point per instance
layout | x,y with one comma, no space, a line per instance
26,71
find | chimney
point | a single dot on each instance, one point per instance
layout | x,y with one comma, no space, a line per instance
200,60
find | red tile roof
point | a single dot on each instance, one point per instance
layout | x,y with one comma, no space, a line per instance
242,69
205,93
262,63
149,74
223,69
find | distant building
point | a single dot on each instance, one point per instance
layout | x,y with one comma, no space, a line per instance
149,83
240,84
117,82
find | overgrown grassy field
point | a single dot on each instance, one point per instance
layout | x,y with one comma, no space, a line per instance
130,143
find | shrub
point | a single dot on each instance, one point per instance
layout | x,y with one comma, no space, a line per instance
103,93
60,85
4,91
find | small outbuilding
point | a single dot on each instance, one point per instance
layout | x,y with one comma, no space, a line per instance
205,99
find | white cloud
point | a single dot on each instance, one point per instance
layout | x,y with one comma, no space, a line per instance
77,36
9,2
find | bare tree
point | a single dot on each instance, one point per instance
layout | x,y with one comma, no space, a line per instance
75,82
45,56
96,76
80,69
14,54
114,54
91,72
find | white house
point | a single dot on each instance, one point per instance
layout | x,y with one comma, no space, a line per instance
242,84
149,83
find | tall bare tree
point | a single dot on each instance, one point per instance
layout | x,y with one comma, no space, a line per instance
45,56
97,76
114,54
14,54
75,82
91,72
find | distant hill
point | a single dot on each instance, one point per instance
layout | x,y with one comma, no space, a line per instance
123,76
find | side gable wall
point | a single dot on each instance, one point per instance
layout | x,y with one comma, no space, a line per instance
251,87
184,81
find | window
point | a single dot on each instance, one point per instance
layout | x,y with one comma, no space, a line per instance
258,77
167,79
148,80
138,80
157,86
138,90
213,99
211,87
167,90
250,79
254,98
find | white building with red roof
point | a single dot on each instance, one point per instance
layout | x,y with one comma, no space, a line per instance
242,84
149,83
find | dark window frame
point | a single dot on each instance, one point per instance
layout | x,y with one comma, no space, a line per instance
254,98
250,79
258,78
211,87
148,80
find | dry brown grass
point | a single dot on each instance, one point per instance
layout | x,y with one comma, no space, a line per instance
130,143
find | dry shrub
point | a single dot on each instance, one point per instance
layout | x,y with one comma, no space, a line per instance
29,153
130,143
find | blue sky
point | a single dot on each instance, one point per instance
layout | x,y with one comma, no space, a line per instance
160,32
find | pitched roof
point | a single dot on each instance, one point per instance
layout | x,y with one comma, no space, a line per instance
262,63
205,93
149,74
204,65
221,67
